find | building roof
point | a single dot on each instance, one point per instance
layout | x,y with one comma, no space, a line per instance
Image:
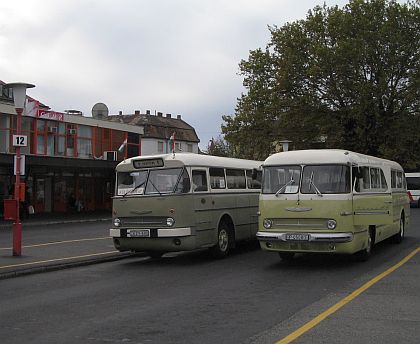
160,127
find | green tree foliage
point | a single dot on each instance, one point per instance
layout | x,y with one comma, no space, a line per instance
341,78
220,147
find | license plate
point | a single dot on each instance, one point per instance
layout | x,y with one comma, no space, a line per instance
297,237
138,233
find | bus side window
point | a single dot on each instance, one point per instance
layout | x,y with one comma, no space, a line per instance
235,179
199,180
362,176
254,178
217,178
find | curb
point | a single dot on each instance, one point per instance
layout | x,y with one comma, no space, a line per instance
54,222
67,265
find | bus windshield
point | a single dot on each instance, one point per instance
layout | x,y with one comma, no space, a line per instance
281,179
325,179
152,182
316,179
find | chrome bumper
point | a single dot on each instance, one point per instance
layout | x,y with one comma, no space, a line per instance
161,232
313,237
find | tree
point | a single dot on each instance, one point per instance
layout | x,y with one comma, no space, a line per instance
219,147
342,78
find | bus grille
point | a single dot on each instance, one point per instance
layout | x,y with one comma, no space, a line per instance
300,224
143,221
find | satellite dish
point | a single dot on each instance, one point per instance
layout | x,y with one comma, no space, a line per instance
100,110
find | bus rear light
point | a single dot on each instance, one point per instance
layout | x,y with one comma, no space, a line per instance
410,196
177,242
268,244
170,221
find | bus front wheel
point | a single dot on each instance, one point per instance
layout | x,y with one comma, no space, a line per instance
365,254
398,238
224,238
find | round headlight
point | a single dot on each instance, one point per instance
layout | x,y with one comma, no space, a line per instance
117,222
170,221
267,223
331,224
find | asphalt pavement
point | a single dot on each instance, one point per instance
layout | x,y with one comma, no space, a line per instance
57,241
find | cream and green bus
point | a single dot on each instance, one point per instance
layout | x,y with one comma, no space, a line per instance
330,201
181,202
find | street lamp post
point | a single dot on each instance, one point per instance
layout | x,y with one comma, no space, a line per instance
19,97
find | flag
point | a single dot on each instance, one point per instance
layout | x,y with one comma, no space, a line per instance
172,142
121,149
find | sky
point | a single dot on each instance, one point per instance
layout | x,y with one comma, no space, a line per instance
179,57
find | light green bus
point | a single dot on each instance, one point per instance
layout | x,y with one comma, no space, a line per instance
181,202
330,201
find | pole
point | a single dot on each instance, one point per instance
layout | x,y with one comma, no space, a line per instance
17,226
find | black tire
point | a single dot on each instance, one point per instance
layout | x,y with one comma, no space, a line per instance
365,254
398,238
224,241
286,256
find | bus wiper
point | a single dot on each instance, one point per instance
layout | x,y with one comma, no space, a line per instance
137,186
290,182
150,180
311,184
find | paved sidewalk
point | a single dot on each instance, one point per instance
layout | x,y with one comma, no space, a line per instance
58,218
48,244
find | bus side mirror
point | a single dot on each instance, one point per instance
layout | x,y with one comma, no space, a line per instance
254,174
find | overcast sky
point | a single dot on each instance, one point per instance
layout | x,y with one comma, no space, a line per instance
178,57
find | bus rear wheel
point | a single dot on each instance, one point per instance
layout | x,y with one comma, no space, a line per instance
224,241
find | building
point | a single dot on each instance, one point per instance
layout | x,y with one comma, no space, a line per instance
70,158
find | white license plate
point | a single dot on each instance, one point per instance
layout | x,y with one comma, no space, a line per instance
138,233
297,237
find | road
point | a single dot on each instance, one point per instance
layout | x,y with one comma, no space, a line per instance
250,297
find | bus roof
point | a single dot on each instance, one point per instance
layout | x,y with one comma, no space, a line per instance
326,156
193,159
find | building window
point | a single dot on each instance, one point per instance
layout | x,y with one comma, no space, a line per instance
160,147
178,147
189,147
71,138
84,141
133,145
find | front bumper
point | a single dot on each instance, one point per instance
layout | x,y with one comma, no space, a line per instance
154,233
313,237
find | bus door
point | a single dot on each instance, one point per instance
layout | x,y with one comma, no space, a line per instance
203,207
372,203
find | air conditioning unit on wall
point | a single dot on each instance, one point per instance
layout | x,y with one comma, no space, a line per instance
72,131
110,155
52,130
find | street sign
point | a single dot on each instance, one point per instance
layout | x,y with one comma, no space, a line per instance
22,165
20,140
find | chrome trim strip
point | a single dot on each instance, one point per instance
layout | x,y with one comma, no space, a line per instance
115,233
371,212
299,210
173,232
314,237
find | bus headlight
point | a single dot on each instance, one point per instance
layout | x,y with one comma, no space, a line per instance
170,221
117,222
267,223
331,224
